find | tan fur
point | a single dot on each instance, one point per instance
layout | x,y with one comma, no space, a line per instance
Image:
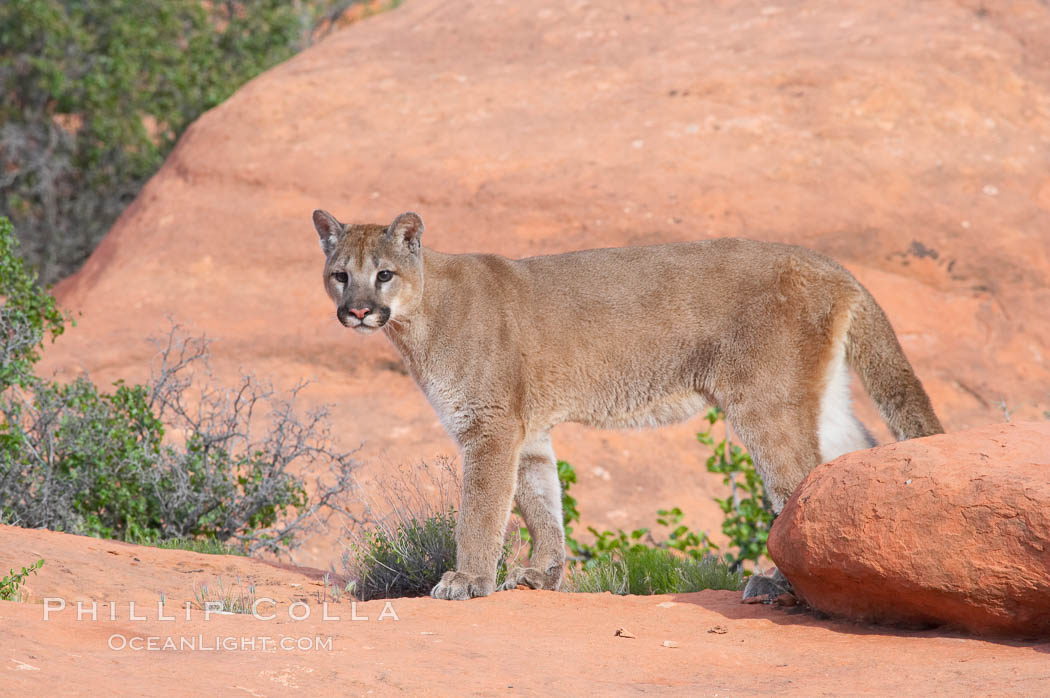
635,336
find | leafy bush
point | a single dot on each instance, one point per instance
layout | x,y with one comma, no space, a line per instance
618,559
647,570
26,316
747,510
11,585
97,91
173,459
675,536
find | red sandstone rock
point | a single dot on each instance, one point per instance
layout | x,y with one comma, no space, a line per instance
951,529
908,140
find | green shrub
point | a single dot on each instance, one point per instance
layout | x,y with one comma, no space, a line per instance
406,559
668,559
748,514
622,555
672,533
97,91
145,463
648,570
11,585
405,550
675,536
27,315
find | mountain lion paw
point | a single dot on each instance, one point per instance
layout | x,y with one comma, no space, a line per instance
533,578
457,586
767,586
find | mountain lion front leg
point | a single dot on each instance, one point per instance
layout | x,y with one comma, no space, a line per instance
489,473
539,500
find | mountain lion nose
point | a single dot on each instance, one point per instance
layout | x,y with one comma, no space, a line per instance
360,313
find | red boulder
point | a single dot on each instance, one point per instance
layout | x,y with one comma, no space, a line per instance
948,530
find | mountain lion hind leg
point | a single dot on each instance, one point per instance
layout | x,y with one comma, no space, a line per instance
539,500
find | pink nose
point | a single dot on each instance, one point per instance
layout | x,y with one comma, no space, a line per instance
360,313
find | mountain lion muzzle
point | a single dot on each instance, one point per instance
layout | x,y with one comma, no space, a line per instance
506,349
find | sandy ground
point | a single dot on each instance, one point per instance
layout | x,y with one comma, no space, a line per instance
515,642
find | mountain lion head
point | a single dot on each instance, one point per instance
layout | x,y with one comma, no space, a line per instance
373,273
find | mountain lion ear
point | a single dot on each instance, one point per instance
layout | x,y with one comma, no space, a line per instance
329,229
407,228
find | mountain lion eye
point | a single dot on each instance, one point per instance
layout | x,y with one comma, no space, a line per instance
384,276
341,277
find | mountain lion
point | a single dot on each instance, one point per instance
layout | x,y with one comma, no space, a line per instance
506,349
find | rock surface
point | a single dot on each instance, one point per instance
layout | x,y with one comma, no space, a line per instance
947,530
513,642
908,140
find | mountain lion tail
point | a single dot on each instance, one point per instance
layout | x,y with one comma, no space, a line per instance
875,354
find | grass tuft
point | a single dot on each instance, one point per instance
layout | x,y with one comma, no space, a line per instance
406,551
208,546
654,571
234,599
